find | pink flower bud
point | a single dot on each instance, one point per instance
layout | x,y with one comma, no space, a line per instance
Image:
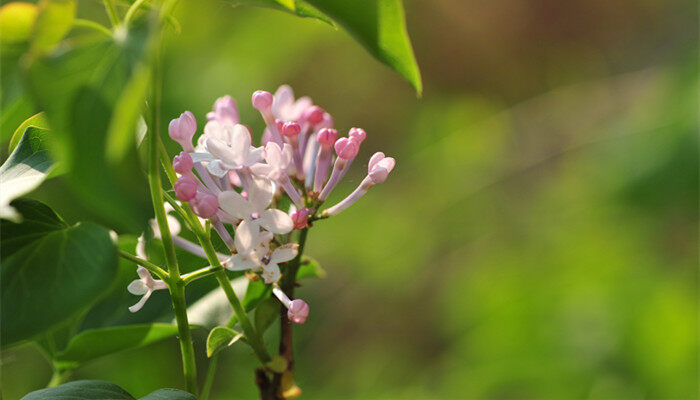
291,129
379,167
279,124
298,311
326,136
182,130
204,204
262,100
225,111
182,163
300,219
314,115
185,188
357,134
347,148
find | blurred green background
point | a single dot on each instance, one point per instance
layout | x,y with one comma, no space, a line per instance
538,238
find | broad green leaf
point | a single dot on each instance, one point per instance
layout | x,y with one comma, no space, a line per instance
17,21
380,26
54,278
220,338
38,220
37,120
81,390
301,8
169,394
310,268
94,343
54,21
24,170
78,88
265,314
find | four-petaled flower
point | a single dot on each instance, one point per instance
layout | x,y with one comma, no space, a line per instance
227,148
260,257
254,213
144,286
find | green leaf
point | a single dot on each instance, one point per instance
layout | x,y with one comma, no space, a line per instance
301,8
79,89
24,170
380,26
54,278
310,268
14,110
122,129
220,338
169,394
37,120
38,220
81,390
265,314
55,20
94,343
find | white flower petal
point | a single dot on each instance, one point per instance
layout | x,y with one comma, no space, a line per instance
141,302
200,157
271,273
218,168
137,287
261,169
233,203
255,155
284,253
260,193
240,143
246,236
241,262
276,221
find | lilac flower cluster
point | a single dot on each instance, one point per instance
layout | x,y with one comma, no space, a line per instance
226,179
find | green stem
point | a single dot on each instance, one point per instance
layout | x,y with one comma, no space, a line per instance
209,380
200,273
111,12
174,281
177,293
59,377
86,23
132,11
160,272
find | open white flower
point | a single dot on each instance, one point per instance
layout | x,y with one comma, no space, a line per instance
144,286
227,148
260,258
278,161
254,213
284,106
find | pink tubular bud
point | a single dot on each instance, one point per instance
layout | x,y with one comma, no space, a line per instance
347,148
358,134
185,188
182,163
279,124
314,115
266,137
225,111
298,311
182,130
327,136
290,129
300,219
262,100
379,167
204,205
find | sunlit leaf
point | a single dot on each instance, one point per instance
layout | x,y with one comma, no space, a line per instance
220,338
24,170
17,21
94,343
380,26
37,120
38,220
